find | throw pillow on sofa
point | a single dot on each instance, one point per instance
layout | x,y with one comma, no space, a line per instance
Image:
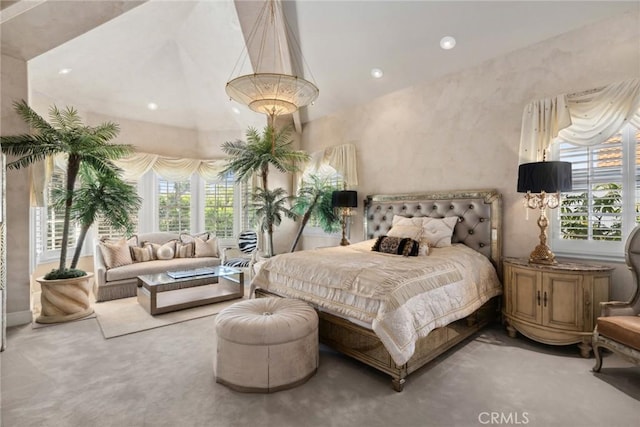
161,252
206,248
116,254
142,254
184,250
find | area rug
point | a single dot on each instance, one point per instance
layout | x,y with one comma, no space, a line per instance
125,316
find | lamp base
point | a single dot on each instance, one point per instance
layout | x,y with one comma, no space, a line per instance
344,242
542,255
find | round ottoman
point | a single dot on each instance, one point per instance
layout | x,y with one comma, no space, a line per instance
266,344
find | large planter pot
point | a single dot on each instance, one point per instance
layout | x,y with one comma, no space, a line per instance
65,299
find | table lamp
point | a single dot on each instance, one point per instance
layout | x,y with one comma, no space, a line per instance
542,182
344,200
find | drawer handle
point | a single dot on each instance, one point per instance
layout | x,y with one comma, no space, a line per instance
545,298
538,298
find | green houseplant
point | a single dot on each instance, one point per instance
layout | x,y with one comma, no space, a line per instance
261,150
101,195
64,290
314,198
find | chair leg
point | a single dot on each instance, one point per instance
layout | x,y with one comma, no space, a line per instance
597,351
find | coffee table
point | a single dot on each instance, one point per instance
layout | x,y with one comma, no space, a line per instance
160,293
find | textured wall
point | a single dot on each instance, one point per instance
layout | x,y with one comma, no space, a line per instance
463,131
13,87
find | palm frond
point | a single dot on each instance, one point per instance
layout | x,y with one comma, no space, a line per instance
32,118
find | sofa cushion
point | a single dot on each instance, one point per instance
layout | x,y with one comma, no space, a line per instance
206,248
624,329
184,250
131,271
187,238
142,254
116,254
167,249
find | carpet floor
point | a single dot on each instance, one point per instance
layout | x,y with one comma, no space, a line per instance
69,375
125,316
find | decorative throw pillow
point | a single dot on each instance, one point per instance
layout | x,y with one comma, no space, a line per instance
166,251
437,232
206,248
133,240
184,250
410,228
116,254
163,252
142,254
396,246
188,238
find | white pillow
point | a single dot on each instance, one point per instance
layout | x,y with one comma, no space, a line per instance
206,248
162,252
437,232
411,228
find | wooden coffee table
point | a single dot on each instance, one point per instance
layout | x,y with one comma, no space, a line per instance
160,293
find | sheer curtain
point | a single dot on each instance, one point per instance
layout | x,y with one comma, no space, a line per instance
583,118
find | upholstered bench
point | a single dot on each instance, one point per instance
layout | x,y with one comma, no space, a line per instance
266,344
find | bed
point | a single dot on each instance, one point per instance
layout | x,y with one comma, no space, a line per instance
393,312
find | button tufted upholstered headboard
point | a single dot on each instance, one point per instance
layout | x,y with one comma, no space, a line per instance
479,215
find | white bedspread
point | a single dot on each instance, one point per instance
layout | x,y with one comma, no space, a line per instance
401,298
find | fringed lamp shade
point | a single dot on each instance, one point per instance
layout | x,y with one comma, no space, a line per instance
550,177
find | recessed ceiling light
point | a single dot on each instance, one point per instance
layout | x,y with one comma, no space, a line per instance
152,106
235,110
376,73
64,71
447,42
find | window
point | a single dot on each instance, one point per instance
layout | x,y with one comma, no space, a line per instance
174,206
49,222
192,205
219,206
596,217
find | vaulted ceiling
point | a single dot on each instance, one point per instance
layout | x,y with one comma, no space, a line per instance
179,54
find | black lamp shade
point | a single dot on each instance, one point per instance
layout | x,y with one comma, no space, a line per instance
344,199
549,177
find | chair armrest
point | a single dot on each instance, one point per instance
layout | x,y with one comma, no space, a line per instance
616,308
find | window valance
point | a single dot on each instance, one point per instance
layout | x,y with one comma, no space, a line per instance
172,169
584,118
133,167
342,158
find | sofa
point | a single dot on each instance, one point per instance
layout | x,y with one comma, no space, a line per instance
118,263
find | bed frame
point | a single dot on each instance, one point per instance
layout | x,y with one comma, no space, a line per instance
479,227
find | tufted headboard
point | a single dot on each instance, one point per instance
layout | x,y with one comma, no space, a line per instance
479,215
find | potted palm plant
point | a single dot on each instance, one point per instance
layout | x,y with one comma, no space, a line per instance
101,195
65,291
254,156
314,198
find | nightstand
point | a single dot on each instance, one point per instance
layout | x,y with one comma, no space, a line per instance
554,304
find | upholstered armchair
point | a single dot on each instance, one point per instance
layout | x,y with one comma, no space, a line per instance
244,256
618,328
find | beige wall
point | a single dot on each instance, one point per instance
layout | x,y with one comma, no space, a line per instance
463,131
14,86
